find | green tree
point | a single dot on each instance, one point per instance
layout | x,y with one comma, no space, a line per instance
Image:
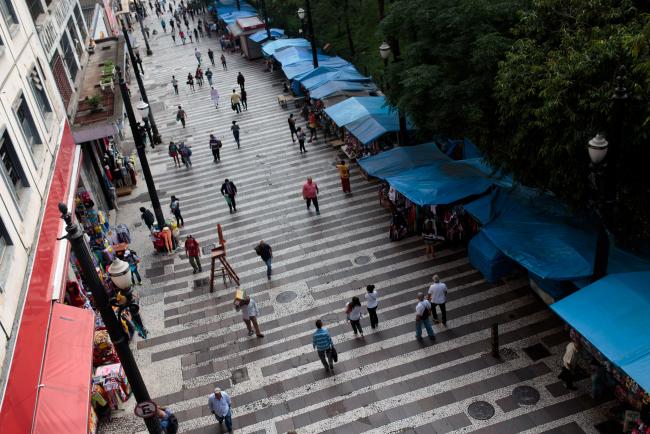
450,51
554,93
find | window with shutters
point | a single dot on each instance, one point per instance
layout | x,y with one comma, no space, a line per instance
9,13
35,8
68,56
10,169
38,89
27,124
5,243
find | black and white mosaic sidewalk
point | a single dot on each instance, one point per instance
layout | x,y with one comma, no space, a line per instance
386,383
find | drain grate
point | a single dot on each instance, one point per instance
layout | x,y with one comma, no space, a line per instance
525,395
286,297
362,260
239,375
537,351
481,410
199,283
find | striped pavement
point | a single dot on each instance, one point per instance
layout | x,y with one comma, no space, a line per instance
387,382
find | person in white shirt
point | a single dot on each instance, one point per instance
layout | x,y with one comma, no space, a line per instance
422,312
372,301
250,311
219,405
568,365
438,297
353,311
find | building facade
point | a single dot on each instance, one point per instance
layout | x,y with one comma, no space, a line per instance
32,125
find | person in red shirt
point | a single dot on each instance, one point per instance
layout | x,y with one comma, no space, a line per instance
193,253
310,193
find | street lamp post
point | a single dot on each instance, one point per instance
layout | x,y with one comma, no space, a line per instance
266,19
301,14
384,51
139,146
156,135
101,302
139,13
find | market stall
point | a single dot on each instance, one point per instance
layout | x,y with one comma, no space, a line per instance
241,29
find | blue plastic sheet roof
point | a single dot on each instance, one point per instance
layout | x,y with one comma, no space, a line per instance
291,55
297,70
443,182
401,159
356,108
332,87
612,314
234,16
225,7
263,36
341,74
271,47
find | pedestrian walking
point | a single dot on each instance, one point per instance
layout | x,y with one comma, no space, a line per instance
199,76
265,252
353,312
186,154
219,404
569,363
244,99
196,35
438,297
132,258
235,100
429,236
173,152
147,217
190,81
300,135
168,239
168,420
181,34
215,146
322,343
372,301
223,62
175,84
163,24
208,75
311,124
292,127
235,132
310,194
193,251
250,313
211,55
214,96
240,80
171,24
197,54
175,207
173,36
422,313
344,173
229,191
181,116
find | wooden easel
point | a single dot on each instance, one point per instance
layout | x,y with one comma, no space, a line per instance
218,253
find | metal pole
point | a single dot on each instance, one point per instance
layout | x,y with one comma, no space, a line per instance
397,58
495,341
314,53
266,19
144,35
113,326
139,146
143,92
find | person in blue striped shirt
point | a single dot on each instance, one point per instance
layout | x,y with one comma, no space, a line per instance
322,343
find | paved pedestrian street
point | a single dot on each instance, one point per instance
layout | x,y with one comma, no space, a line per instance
386,382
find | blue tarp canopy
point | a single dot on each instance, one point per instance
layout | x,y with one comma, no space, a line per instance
225,7
341,74
272,46
443,183
489,260
355,108
292,55
293,72
263,36
332,87
401,159
234,16
368,128
518,220
612,314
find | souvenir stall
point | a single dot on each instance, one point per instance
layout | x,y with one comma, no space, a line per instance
119,169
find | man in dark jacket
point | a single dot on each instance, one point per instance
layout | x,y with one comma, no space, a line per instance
241,80
229,191
265,252
147,217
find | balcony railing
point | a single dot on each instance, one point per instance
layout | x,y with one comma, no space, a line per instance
51,25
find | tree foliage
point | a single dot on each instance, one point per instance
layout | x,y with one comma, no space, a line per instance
450,50
554,93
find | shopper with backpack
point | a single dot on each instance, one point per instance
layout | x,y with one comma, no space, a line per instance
175,207
168,421
423,317
186,154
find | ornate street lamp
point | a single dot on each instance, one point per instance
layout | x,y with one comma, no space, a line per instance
384,51
597,148
143,108
120,273
301,14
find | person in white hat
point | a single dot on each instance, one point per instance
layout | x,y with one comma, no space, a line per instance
219,405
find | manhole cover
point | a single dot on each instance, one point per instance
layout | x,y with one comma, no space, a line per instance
481,410
525,395
239,375
286,297
362,260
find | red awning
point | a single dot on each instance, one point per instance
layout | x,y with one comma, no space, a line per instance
63,401
19,400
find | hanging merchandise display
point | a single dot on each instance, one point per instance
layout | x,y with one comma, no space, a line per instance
114,382
119,170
